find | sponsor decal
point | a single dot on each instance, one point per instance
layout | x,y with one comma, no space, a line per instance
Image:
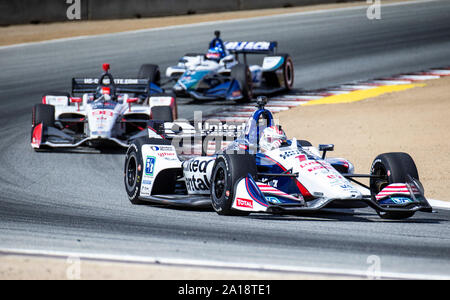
236,94
116,81
346,187
102,114
245,203
196,175
314,166
150,165
148,182
301,158
198,183
290,153
166,154
239,46
197,166
146,190
273,200
401,200
104,105
162,148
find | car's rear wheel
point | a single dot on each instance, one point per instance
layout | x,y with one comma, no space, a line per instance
288,72
151,73
241,73
228,170
396,167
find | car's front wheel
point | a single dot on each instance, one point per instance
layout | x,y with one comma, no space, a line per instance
134,166
392,168
228,170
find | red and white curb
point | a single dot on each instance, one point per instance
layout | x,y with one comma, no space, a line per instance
240,114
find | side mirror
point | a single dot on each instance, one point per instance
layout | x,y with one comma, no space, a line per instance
325,149
76,100
131,101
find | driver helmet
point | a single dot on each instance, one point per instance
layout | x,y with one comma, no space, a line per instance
215,54
106,91
272,138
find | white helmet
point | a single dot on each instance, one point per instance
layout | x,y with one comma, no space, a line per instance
272,138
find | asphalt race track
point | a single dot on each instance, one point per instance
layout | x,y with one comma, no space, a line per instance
74,202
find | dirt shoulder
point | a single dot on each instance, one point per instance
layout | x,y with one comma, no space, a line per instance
416,121
42,268
41,32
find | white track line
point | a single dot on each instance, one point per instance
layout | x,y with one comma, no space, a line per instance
439,204
222,265
321,11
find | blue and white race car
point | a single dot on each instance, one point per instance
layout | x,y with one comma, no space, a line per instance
263,171
224,74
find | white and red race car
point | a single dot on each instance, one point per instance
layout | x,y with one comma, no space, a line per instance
105,111
294,177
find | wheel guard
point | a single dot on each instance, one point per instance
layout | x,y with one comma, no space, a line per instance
258,197
402,194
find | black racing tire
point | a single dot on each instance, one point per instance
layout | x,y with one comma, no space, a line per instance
288,71
45,114
287,82
134,167
304,143
162,113
151,73
133,171
242,74
228,170
398,167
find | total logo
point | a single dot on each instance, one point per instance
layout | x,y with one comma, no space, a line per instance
245,203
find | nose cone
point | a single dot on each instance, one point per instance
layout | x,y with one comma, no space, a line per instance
101,124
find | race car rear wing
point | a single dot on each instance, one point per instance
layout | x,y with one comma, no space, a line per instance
260,47
131,86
